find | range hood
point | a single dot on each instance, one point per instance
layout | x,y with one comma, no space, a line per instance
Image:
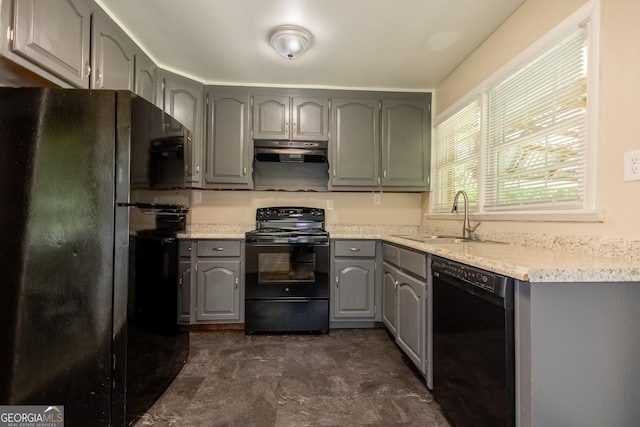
290,165
290,151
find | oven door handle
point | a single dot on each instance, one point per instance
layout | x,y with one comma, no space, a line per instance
289,300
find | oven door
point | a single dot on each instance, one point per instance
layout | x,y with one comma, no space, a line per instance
287,270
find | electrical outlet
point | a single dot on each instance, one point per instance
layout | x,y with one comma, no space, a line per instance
329,205
632,165
376,198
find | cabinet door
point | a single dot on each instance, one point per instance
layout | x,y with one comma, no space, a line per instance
310,119
355,142
183,100
55,34
184,291
411,318
218,290
146,77
355,287
112,56
228,142
389,298
405,143
271,117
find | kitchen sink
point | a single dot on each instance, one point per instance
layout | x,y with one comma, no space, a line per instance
435,239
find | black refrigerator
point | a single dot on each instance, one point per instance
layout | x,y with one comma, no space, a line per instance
69,160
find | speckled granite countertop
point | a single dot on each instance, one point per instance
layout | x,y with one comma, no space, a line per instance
534,264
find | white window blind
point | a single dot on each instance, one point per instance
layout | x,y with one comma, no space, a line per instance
536,132
457,158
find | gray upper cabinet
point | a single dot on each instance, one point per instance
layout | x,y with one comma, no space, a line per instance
310,119
290,118
405,143
183,100
55,35
355,142
113,55
271,117
228,144
146,77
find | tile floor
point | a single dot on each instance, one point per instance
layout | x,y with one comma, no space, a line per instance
345,378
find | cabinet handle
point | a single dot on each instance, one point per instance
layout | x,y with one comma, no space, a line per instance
180,282
218,249
99,80
236,283
244,171
334,173
189,249
197,169
294,128
354,249
286,128
384,174
87,70
337,281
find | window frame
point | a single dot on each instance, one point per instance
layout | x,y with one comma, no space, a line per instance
586,15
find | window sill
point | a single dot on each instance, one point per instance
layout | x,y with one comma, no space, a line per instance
591,216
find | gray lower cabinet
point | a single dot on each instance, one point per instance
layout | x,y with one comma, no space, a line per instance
406,130
290,118
353,293
220,281
183,99
112,57
355,142
54,35
410,334
228,144
186,294
405,309
390,297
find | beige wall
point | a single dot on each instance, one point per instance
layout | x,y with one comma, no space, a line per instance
239,207
619,105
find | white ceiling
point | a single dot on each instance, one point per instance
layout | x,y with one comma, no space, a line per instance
376,44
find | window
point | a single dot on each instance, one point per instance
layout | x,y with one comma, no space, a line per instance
520,145
536,136
457,158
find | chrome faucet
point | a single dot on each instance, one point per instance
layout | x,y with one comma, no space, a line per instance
466,225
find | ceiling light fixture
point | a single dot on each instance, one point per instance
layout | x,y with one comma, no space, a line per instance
290,41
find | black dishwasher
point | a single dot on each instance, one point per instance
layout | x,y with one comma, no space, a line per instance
473,345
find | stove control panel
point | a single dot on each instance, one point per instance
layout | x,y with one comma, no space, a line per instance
293,213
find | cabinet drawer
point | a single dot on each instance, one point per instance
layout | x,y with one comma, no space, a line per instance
414,262
390,253
355,248
185,248
218,248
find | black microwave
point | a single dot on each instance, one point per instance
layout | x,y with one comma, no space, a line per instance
167,162
160,148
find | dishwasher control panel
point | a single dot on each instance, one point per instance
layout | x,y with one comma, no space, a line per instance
487,280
